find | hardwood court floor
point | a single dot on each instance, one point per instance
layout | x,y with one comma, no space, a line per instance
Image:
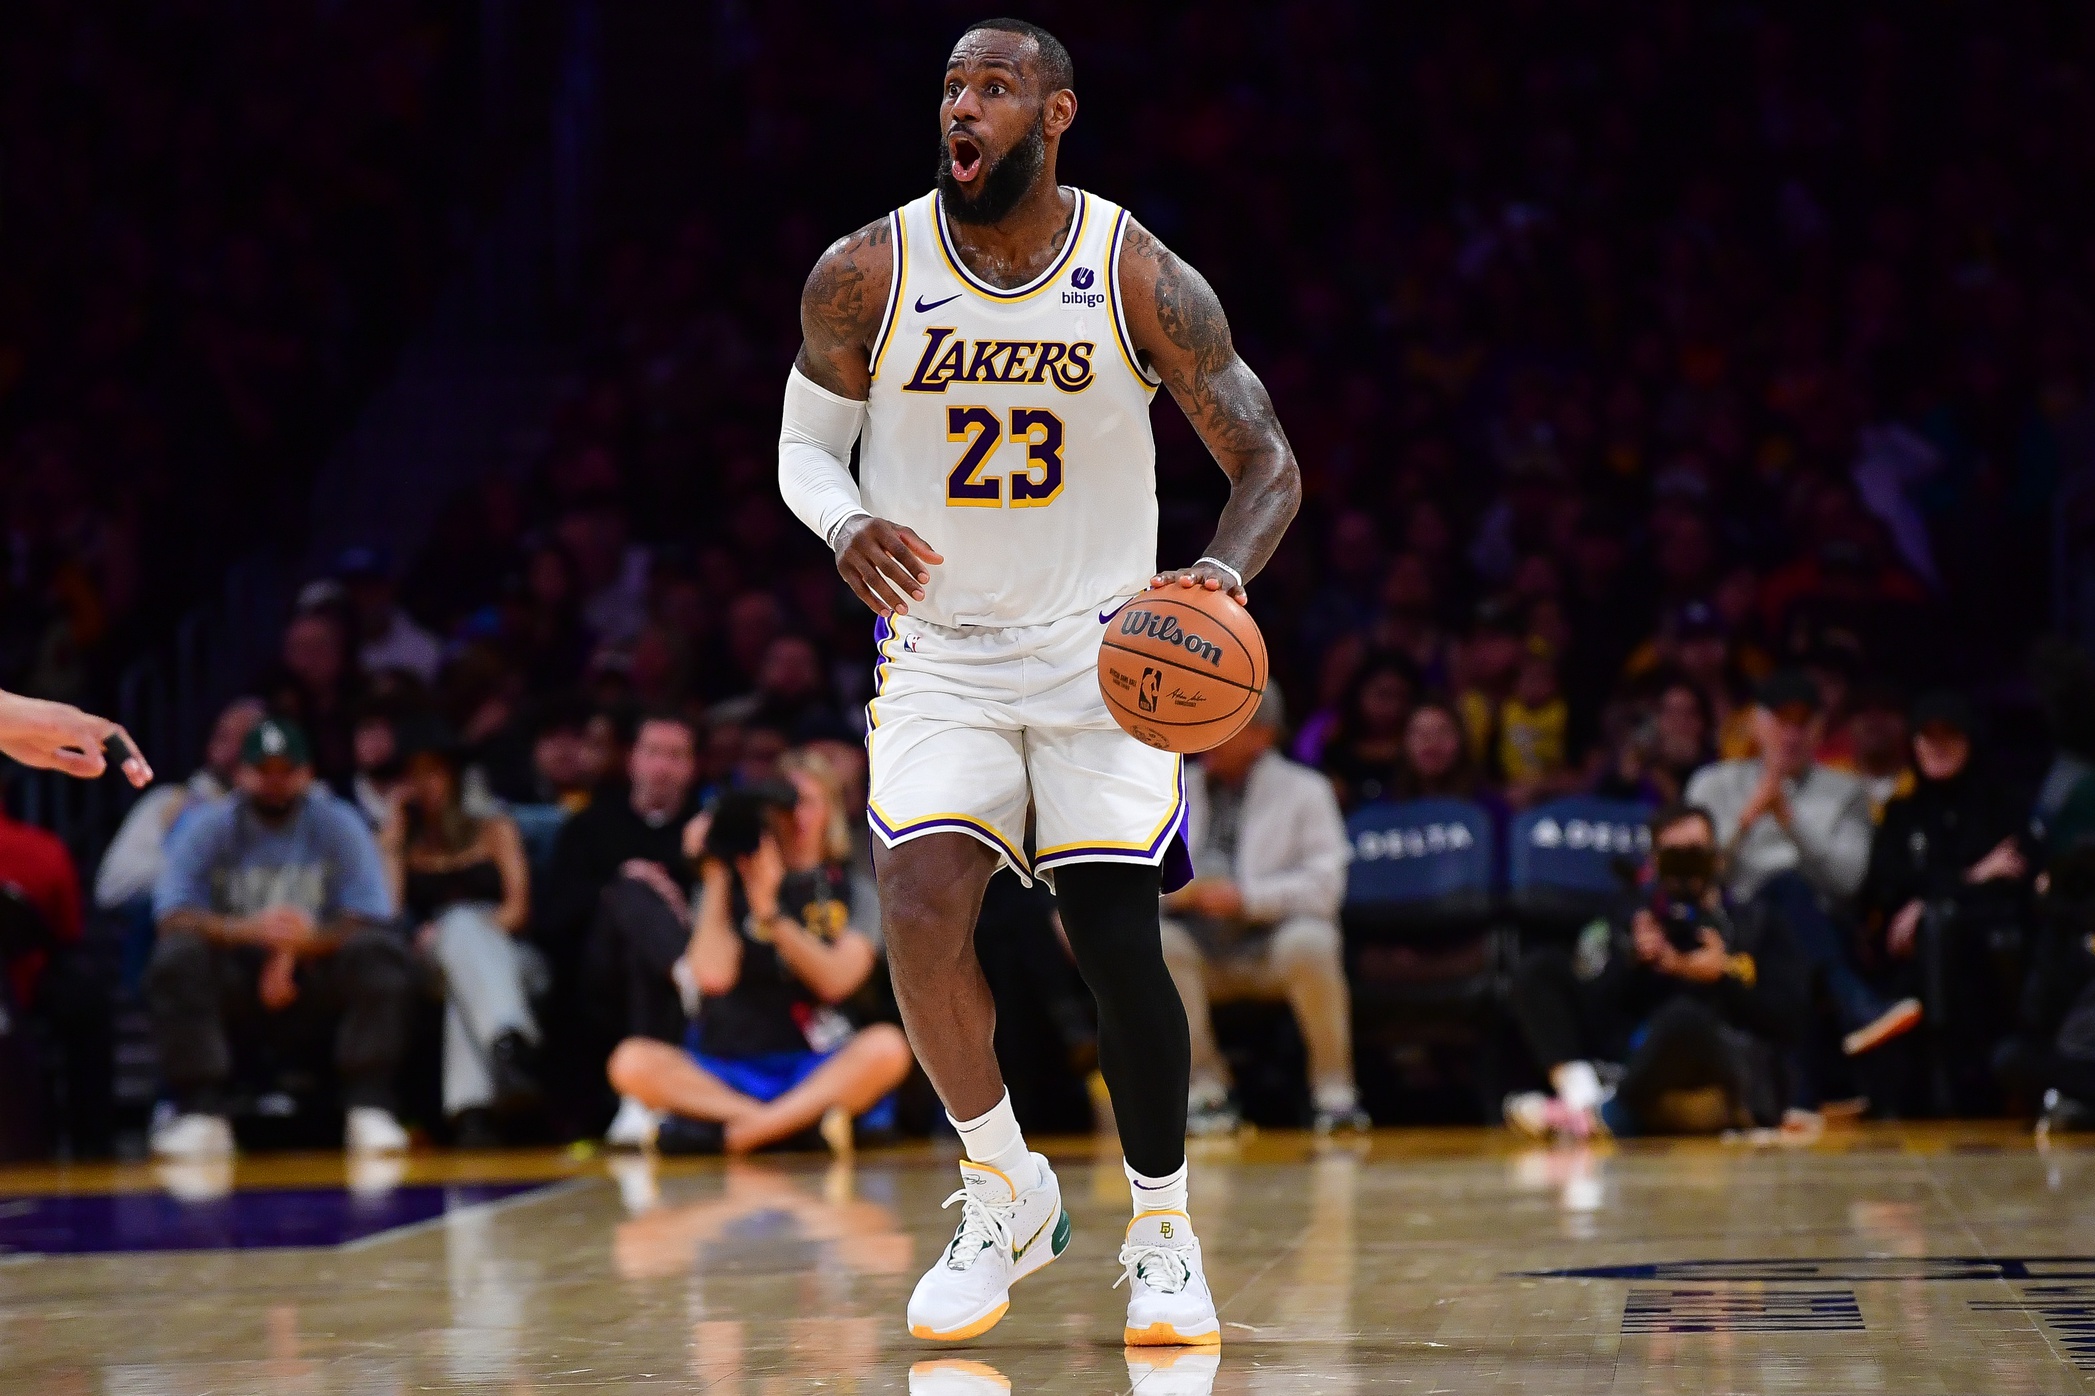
1951,1260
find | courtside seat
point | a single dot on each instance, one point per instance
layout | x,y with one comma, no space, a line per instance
539,827
1420,911
1568,861
1428,958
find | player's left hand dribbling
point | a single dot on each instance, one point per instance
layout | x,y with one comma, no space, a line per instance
1201,574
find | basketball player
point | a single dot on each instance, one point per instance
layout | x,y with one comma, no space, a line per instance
998,342
60,737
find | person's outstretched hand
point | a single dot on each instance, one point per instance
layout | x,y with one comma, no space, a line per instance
60,737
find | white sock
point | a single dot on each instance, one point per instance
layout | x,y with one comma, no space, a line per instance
1165,1194
994,1139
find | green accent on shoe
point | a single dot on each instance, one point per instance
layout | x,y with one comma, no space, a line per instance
1059,1242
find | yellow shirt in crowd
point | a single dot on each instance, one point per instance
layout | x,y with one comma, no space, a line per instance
1533,742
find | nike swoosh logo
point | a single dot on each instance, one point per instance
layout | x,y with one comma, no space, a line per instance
1019,1253
922,308
1105,617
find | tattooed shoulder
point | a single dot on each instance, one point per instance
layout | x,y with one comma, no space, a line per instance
847,291
1142,244
1190,314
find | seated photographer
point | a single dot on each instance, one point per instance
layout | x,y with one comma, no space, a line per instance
769,1055
1696,996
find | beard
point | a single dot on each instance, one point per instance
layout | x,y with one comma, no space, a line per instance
1003,184
272,812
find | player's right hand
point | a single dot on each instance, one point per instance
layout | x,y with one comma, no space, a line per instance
884,563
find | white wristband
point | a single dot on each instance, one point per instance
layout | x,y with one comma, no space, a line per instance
838,527
1235,575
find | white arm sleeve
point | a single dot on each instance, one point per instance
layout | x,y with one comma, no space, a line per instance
814,448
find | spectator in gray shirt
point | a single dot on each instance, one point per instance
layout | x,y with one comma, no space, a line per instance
136,855
1260,918
275,919
1797,834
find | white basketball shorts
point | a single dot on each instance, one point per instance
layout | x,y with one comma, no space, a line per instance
967,727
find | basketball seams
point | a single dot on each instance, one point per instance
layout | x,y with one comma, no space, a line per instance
1172,661
1185,639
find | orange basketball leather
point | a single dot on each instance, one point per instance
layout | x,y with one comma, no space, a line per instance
1182,668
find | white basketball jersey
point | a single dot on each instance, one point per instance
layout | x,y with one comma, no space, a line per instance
1010,429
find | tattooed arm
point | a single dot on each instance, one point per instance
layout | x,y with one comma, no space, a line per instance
1182,335
840,310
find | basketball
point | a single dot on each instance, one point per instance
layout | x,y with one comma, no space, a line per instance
1182,668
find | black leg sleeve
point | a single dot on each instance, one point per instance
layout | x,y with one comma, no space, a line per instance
1109,911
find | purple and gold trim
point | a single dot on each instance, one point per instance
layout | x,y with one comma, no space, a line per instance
892,834
1120,324
896,283
883,636
1030,289
1151,850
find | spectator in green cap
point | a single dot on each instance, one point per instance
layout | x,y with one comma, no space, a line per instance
276,921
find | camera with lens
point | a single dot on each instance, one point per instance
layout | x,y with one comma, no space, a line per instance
1679,896
742,817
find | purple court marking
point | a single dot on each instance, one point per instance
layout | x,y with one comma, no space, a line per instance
262,1219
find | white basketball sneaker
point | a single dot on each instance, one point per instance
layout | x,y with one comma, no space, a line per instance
1168,1300
1003,1237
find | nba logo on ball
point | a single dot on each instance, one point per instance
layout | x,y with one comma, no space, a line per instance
1182,668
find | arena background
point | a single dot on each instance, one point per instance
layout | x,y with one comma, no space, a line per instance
1580,317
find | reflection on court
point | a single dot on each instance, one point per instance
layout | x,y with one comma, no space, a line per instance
1945,1260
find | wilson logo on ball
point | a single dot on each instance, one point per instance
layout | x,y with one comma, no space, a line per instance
1180,669
1166,630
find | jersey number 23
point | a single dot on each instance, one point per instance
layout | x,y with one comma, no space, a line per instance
1034,484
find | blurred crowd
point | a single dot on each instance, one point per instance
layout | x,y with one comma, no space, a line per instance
221,224
1681,392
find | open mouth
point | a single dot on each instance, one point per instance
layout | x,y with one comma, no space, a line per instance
966,156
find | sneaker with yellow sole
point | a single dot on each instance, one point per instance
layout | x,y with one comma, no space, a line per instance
1004,1235
1168,1300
